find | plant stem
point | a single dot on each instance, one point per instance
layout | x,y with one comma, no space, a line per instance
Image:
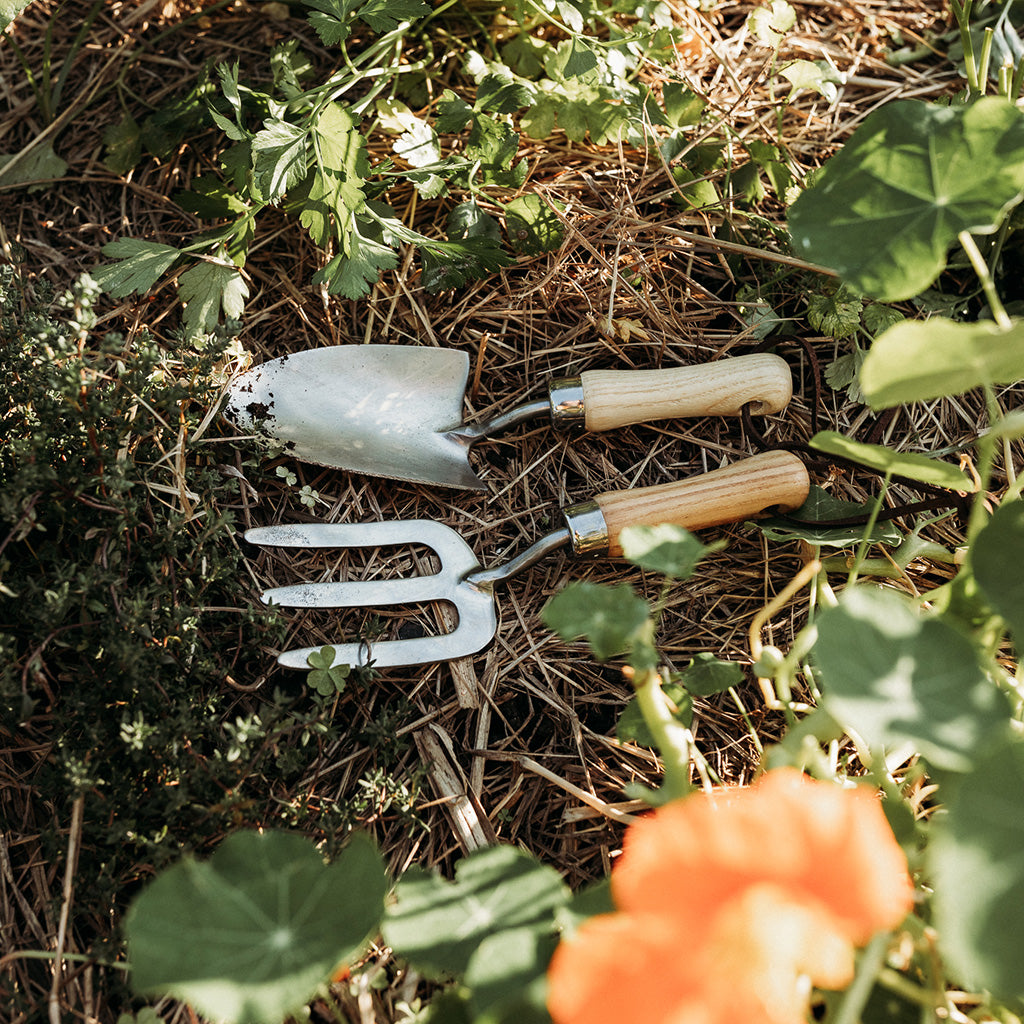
865,544
856,996
672,738
970,247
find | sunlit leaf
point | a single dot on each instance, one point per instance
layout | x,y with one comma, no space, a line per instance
611,619
247,935
886,208
438,925
976,867
997,555
898,678
670,550
917,360
206,289
140,265
533,226
906,464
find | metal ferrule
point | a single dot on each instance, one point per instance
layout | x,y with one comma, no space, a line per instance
566,397
588,531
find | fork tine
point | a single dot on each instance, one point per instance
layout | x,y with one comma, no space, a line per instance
393,653
359,594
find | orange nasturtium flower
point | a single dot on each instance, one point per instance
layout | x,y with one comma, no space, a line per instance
732,906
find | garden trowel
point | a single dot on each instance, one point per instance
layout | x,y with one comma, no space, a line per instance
395,411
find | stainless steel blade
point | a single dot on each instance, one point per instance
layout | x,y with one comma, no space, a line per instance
385,410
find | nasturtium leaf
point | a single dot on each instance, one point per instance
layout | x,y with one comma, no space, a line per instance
917,360
437,925
611,619
207,288
810,522
633,727
817,76
976,866
533,226
997,556
896,678
886,208
670,550
706,675
140,264
247,935
507,976
922,468
595,898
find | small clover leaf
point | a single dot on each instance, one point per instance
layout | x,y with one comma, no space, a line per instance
326,677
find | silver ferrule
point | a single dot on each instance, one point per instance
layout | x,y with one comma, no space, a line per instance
566,397
588,531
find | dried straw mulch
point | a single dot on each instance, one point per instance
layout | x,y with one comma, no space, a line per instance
518,742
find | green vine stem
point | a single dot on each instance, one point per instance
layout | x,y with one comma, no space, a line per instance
671,736
970,247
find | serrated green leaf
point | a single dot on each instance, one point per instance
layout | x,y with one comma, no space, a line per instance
683,107
915,360
210,199
898,678
140,264
906,464
38,165
279,157
123,142
878,317
385,16
612,619
976,868
533,226
844,372
468,220
266,921
451,264
884,211
502,94
453,113
438,925
810,523
353,275
495,144
835,313
581,58
206,289
9,10
331,19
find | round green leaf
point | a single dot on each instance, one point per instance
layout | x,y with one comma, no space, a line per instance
611,618
248,935
914,467
671,550
438,925
897,678
887,207
997,555
917,360
976,862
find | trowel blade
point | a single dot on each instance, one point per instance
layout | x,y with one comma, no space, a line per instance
383,410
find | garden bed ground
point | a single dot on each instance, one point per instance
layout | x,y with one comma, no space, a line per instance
517,743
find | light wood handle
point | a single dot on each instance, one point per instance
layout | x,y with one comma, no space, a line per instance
617,398
727,495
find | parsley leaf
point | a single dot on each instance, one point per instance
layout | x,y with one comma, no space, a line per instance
451,264
279,157
386,15
140,265
352,275
207,288
835,313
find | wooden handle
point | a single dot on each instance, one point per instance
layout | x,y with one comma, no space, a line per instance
617,398
727,495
